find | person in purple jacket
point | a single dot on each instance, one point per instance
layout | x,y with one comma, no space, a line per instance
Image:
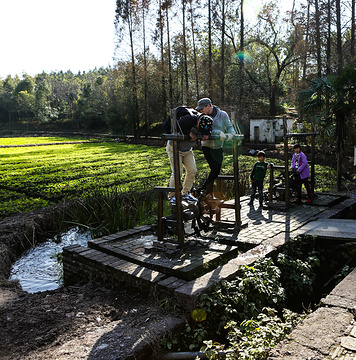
301,167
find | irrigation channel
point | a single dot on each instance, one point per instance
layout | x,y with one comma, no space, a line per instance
40,268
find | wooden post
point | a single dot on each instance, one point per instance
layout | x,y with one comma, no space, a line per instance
160,216
236,184
286,161
271,178
312,172
219,186
177,176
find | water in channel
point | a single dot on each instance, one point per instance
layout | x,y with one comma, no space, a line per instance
38,269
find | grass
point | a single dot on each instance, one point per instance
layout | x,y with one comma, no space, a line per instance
38,140
35,177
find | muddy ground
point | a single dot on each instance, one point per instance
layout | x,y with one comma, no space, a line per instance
86,321
79,322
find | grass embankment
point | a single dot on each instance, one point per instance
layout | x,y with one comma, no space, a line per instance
32,178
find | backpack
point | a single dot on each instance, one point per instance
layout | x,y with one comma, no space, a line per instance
181,111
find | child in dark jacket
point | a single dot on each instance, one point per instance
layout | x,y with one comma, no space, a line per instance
257,176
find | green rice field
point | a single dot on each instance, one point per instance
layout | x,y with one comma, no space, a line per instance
36,177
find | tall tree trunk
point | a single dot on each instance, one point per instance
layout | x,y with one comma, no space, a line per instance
272,101
222,76
145,112
163,69
186,97
317,40
353,30
210,56
170,79
339,36
136,121
241,64
182,92
305,60
194,49
328,41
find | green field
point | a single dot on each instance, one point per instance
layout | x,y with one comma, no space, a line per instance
35,177
30,140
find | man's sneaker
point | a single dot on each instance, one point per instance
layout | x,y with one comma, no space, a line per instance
297,201
172,201
309,200
189,198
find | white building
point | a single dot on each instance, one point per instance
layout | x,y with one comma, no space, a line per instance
267,130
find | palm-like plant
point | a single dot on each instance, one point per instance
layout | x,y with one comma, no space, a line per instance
330,103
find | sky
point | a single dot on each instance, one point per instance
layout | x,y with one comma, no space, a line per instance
76,35
48,35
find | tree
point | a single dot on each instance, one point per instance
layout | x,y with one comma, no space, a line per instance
332,99
186,98
167,6
145,4
192,16
352,50
210,56
339,37
44,111
274,55
9,99
126,11
317,39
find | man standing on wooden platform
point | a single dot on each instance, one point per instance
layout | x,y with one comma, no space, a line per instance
213,149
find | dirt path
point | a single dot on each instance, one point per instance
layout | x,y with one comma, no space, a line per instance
82,322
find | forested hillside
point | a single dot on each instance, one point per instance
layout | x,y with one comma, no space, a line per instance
174,52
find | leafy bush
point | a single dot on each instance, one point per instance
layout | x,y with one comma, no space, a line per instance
244,298
253,339
298,261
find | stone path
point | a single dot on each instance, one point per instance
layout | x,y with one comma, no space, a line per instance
264,224
336,229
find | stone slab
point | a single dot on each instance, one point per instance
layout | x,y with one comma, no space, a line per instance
327,200
336,229
318,334
294,351
344,294
349,343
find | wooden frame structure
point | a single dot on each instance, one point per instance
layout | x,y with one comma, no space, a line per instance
286,137
178,221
